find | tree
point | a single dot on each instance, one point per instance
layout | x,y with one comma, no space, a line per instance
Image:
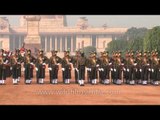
88,49
152,39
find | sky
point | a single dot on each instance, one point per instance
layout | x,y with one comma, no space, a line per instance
148,21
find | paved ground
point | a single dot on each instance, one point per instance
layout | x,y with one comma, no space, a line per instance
74,94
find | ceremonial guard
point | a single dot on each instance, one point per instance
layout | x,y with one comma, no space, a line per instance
67,67
53,67
88,67
2,71
40,67
105,63
81,68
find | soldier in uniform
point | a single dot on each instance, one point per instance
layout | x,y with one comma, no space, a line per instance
29,62
94,64
67,67
88,67
81,68
105,67
118,68
40,67
2,71
53,67
19,61
75,65
155,68
101,70
145,69
14,68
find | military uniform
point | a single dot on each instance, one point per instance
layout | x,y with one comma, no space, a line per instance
40,67
53,67
67,67
88,68
81,69
2,71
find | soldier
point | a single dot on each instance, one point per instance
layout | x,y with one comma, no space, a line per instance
40,67
53,67
88,67
67,67
19,61
75,65
81,68
118,68
2,71
94,64
105,67
138,67
145,69
155,68
29,62
14,68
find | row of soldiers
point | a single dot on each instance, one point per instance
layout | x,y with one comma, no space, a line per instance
140,68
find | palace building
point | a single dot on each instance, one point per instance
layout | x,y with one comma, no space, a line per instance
53,33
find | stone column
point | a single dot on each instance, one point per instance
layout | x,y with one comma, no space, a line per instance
60,44
71,43
50,43
55,42
45,43
65,43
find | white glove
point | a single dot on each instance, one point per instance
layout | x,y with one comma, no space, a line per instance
110,63
140,70
31,63
10,68
124,69
135,64
152,70
102,69
49,68
149,69
128,70
77,70
97,65
44,64
18,63
23,69
57,63
122,64
99,69
36,69
111,69
136,69
63,69
114,70
89,69
148,64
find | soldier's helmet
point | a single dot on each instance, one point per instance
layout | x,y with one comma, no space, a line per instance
145,53
67,52
54,51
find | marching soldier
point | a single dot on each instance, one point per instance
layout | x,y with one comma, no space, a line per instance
53,67
41,66
88,67
67,67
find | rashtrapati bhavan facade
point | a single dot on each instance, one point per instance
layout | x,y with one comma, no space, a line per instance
50,32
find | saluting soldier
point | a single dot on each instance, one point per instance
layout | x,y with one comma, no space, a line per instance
53,67
40,67
67,67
